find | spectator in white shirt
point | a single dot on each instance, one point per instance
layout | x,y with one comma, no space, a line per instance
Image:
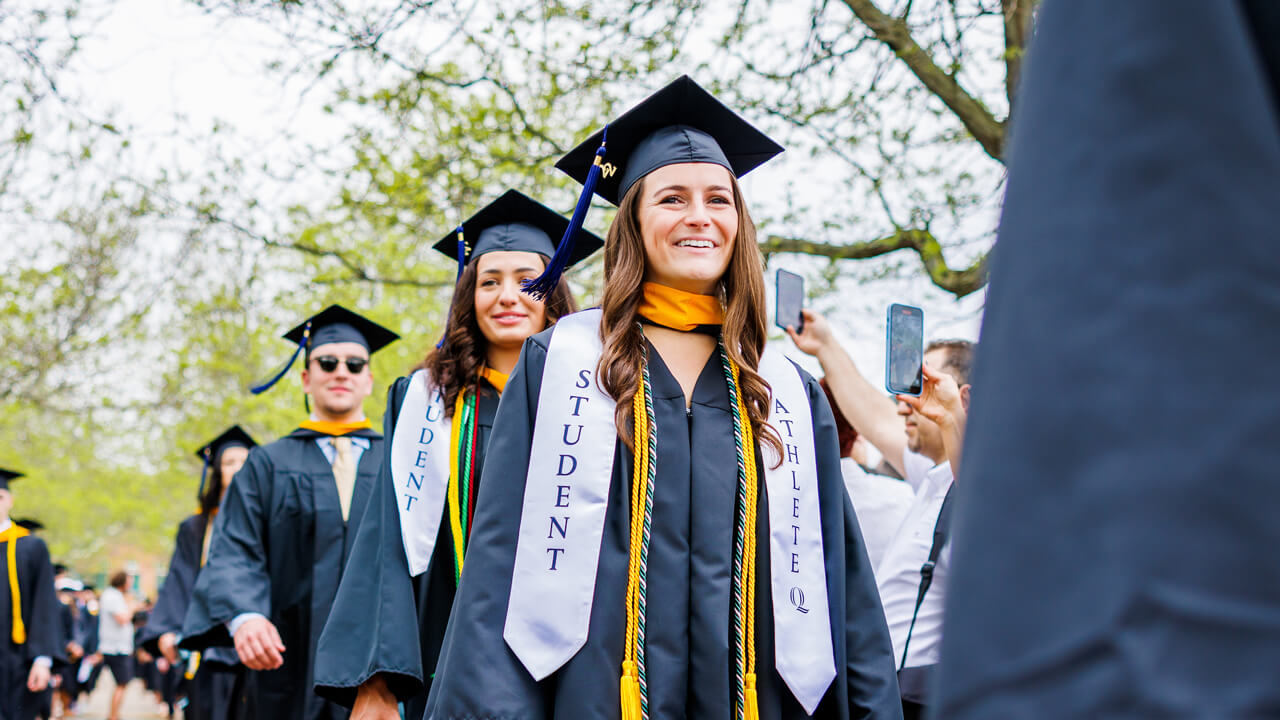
921,438
879,501
115,637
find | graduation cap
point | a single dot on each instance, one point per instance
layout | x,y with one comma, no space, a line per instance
515,222
6,476
31,524
234,436
334,324
681,123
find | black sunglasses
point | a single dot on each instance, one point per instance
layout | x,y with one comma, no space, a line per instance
329,363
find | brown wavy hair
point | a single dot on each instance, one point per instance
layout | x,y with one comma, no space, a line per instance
212,496
741,292
457,362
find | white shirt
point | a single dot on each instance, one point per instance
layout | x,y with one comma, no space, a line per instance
114,638
880,503
898,574
358,446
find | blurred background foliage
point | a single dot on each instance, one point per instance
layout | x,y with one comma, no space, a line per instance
145,288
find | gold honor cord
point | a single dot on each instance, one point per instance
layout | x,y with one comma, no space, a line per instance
747,467
455,511
11,536
633,690
630,683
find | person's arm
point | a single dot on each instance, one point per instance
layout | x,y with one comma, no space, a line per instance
867,408
945,403
120,612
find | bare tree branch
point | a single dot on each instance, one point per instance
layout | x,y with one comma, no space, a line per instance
358,272
1017,26
893,32
957,282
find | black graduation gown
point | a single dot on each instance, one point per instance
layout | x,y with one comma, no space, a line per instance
41,617
211,692
279,547
690,571
1116,530
401,636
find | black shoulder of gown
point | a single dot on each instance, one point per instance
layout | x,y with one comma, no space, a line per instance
41,611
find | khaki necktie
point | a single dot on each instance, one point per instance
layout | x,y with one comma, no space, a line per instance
344,473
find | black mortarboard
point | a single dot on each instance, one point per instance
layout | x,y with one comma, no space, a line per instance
6,476
334,324
235,436
515,222
31,524
681,123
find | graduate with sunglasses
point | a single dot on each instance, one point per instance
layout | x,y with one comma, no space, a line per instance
213,674
662,529
383,636
285,528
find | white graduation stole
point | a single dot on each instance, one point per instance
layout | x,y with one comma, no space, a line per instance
566,498
566,495
801,619
420,468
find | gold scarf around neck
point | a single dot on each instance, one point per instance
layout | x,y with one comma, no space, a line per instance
677,309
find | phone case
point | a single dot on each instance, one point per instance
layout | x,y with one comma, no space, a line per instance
888,350
777,299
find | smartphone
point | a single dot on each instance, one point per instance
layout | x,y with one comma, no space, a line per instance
904,353
790,297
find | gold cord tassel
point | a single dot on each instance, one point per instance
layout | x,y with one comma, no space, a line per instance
629,687
15,591
630,691
751,711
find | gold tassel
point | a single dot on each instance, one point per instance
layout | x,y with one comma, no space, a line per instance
751,709
11,536
630,691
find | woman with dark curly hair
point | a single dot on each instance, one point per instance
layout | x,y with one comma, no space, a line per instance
662,530
382,639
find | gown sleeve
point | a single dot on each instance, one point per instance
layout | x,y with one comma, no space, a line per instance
870,673
175,594
44,629
476,669
373,626
234,579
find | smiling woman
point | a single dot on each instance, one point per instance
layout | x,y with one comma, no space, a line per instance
603,583
439,422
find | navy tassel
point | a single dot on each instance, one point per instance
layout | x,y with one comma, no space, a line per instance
264,386
462,265
462,254
541,286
